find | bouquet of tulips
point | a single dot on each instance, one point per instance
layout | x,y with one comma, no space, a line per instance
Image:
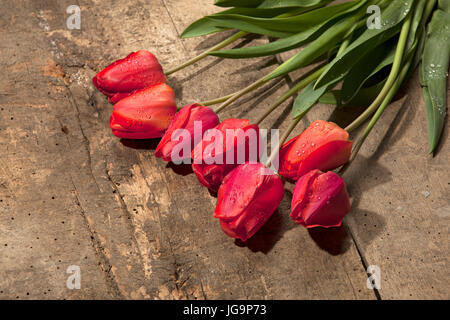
360,59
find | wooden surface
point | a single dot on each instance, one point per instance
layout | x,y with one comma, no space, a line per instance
73,194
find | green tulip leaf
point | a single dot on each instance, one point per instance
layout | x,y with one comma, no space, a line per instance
201,27
206,26
271,3
434,73
238,3
309,97
367,67
306,100
362,99
293,3
379,58
317,20
249,24
391,23
444,5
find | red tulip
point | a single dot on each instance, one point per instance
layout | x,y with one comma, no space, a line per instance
247,198
320,200
323,145
185,119
232,142
137,71
145,114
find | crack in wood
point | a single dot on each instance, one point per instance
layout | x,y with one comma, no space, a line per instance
104,263
85,138
363,261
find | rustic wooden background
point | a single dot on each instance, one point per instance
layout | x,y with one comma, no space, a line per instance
73,194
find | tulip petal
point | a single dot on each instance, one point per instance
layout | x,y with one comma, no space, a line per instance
179,121
321,159
125,76
138,70
320,200
186,119
235,145
238,194
145,114
247,199
302,190
323,145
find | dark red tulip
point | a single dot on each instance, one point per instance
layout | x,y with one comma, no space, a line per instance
320,200
203,117
323,145
137,71
232,142
247,198
144,115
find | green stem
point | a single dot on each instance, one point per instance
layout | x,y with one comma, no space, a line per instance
217,100
300,85
240,93
222,44
304,82
282,140
391,79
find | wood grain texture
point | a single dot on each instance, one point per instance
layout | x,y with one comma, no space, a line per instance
73,194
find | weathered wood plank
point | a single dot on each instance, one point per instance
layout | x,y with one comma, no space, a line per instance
401,202
43,229
145,228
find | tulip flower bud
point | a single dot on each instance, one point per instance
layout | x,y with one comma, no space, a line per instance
189,125
323,145
137,71
232,142
247,198
144,115
320,200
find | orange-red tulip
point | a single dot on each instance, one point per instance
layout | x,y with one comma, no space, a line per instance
122,78
186,119
247,198
145,114
232,142
320,200
323,145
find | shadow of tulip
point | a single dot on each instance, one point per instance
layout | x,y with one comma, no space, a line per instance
180,169
355,177
177,89
212,193
364,225
335,241
140,144
343,116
